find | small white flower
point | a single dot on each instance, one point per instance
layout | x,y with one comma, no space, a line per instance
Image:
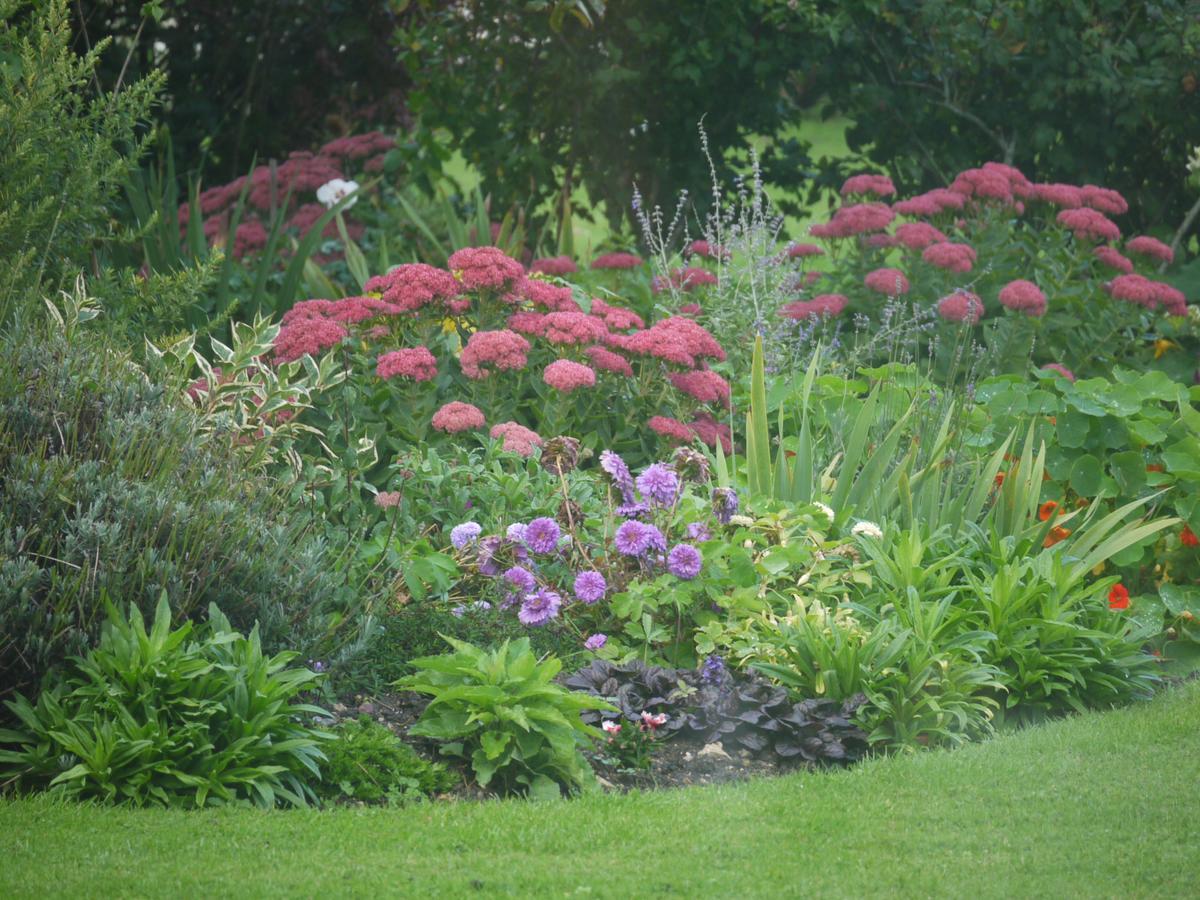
866,529
744,521
332,191
825,509
610,726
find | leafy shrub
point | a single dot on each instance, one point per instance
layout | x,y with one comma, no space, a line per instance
167,718
65,150
106,487
1037,268
365,761
483,348
501,711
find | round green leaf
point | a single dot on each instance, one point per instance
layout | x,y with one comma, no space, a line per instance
1086,476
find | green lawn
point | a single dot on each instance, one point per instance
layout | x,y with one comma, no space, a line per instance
1101,805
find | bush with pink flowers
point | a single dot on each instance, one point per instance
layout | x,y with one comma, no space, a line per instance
486,348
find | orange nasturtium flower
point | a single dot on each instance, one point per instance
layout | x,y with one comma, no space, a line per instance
1118,597
1047,510
1154,467
1188,538
1057,533
999,479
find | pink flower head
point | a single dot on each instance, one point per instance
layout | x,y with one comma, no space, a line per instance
983,184
414,285
704,385
616,261
690,309
710,431
918,235
416,363
486,269
251,237
554,265
950,256
961,306
691,278
1023,296
1017,182
1113,259
617,318
1152,247
552,297
859,218
525,322
572,328
863,185
307,309
517,438
1087,224
352,310
878,241
931,203
707,250
802,250
456,416
1064,196
498,350
388,499
670,428
307,336
1172,299
677,340
566,375
1105,200
606,361
821,306
1061,370
1145,292
887,281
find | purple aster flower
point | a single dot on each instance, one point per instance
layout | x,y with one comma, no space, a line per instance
539,608
541,535
659,483
481,606
466,533
655,539
458,612
632,538
515,531
616,469
698,531
488,548
684,561
590,587
521,579
725,504
596,641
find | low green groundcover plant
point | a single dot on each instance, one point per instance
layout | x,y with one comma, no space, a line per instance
184,718
368,763
501,710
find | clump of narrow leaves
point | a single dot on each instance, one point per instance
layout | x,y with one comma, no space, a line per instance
169,718
743,712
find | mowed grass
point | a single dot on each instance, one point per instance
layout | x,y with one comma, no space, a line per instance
1103,805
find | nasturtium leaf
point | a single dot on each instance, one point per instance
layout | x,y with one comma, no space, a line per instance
1073,428
1129,470
1181,658
1181,598
1086,476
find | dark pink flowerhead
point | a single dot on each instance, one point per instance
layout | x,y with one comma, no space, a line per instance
1105,200
868,185
486,269
488,351
554,265
961,306
416,363
890,282
918,235
307,337
1089,225
672,429
566,375
517,438
1113,259
456,416
1023,296
1151,247
950,256
616,261
414,285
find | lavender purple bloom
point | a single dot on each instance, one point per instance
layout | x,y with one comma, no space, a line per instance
713,671
684,561
725,504
590,587
659,483
521,579
596,641
464,534
698,531
540,608
616,469
541,535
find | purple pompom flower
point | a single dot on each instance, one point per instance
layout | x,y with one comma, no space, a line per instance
541,535
698,531
488,548
596,641
464,534
515,531
590,587
521,579
632,510
659,483
540,608
616,469
684,561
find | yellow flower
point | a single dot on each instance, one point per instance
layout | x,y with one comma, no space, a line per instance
1162,345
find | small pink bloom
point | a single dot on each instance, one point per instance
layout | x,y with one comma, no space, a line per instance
566,375
887,281
1023,296
1152,247
961,306
456,416
497,350
486,268
416,363
670,428
616,261
554,265
517,438
1061,370
863,185
950,256
1114,260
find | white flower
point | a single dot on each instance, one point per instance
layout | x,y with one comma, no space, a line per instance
825,509
610,726
744,521
867,529
332,191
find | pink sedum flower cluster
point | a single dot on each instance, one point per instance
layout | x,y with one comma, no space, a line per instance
415,363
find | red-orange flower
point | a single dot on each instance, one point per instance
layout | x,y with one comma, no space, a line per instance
1188,538
1154,467
1057,533
999,479
1118,597
1048,510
